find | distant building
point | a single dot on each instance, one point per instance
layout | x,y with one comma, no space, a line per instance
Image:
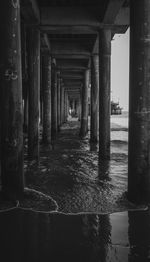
115,108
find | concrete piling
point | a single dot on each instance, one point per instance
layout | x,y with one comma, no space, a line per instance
34,91
54,101
46,84
139,104
11,101
104,93
84,112
94,96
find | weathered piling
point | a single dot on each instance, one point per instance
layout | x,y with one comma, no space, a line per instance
94,96
104,93
139,104
11,100
84,113
46,84
54,100
34,91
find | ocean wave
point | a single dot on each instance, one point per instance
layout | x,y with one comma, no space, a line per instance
119,142
118,156
119,129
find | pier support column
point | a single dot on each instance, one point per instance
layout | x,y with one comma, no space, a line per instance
73,106
58,99
104,92
24,76
34,91
139,102
79,108
84,112
46,76
62,104
94,96
54,100
25,122
41,108
66,105
41,89
11,100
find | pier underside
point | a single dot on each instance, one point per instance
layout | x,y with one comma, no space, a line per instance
65,164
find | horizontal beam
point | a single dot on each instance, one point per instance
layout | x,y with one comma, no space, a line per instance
73,67
77,72
77,87
118,28
73,93
70,29
72,89
73,55
74,70
70,76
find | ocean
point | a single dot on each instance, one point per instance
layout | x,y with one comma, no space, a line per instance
119,133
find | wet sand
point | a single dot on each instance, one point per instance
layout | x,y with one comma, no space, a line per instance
73,175
90,194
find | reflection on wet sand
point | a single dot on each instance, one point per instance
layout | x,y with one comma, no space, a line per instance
76,178
29,236
139,236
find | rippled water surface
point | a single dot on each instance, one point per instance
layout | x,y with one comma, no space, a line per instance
76,178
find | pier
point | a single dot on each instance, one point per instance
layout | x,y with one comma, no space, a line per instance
55,58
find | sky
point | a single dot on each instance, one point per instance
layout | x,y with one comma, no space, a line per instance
120,70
